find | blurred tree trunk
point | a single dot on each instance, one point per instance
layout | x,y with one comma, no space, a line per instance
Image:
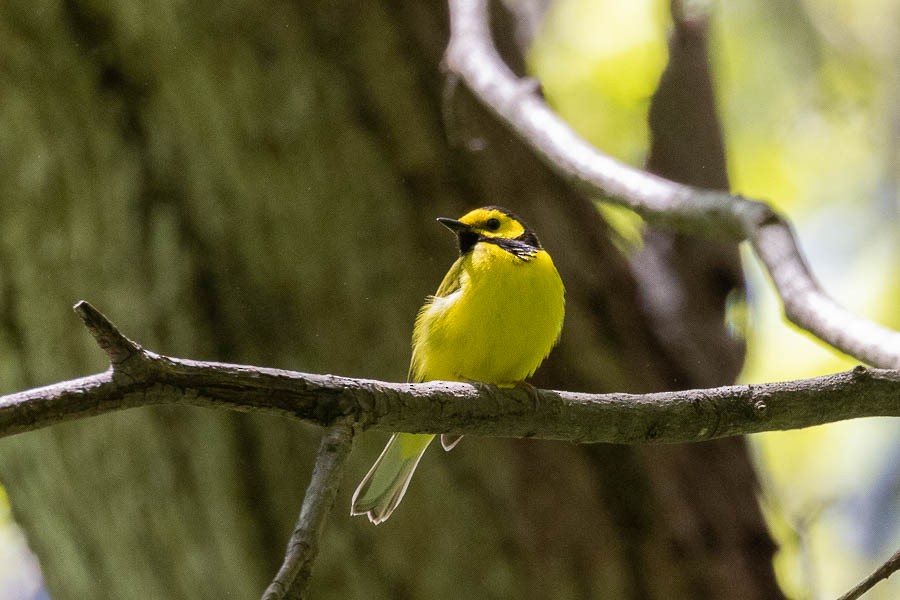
257,182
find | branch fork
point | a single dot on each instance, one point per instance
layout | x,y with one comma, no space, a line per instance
472,58
117,347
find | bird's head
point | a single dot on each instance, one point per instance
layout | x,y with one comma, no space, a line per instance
489,223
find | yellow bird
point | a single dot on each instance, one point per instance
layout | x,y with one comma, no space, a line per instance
494,318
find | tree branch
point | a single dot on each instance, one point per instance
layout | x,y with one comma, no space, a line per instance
883,572
472,57
293,576
146,379
117,347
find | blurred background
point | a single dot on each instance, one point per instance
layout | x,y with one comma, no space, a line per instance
809,96
190,170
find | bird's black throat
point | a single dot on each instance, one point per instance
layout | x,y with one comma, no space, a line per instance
467,240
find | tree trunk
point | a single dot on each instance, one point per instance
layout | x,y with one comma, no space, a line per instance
257,182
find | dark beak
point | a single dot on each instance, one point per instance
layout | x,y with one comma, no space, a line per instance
453,225
465,237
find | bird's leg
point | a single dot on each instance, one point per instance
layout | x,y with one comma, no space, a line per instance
531,391
449,440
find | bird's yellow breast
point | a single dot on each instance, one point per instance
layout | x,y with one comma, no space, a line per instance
498,317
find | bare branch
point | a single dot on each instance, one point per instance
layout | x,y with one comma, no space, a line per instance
883,572
293,576
472,57
117,347
456,408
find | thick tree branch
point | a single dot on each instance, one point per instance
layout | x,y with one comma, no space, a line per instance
472,57
293,576
146,378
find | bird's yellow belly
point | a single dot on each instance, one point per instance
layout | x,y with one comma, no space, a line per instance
496,331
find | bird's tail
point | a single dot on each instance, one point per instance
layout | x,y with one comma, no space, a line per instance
383,487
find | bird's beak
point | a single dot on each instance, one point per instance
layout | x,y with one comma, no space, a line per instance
466,238
453,225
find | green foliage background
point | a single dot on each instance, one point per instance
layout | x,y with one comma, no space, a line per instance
809,97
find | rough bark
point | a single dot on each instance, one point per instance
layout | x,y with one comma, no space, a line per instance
256,182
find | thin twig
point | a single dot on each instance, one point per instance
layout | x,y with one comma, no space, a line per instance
472,57
117,347
456,408
881,573
292,579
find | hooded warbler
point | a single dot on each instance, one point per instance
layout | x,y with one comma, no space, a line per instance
494,318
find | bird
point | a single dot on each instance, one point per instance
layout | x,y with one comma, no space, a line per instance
494,319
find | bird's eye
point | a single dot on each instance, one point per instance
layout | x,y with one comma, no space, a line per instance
493,224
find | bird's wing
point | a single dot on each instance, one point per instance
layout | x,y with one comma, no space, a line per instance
452,280
451,283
